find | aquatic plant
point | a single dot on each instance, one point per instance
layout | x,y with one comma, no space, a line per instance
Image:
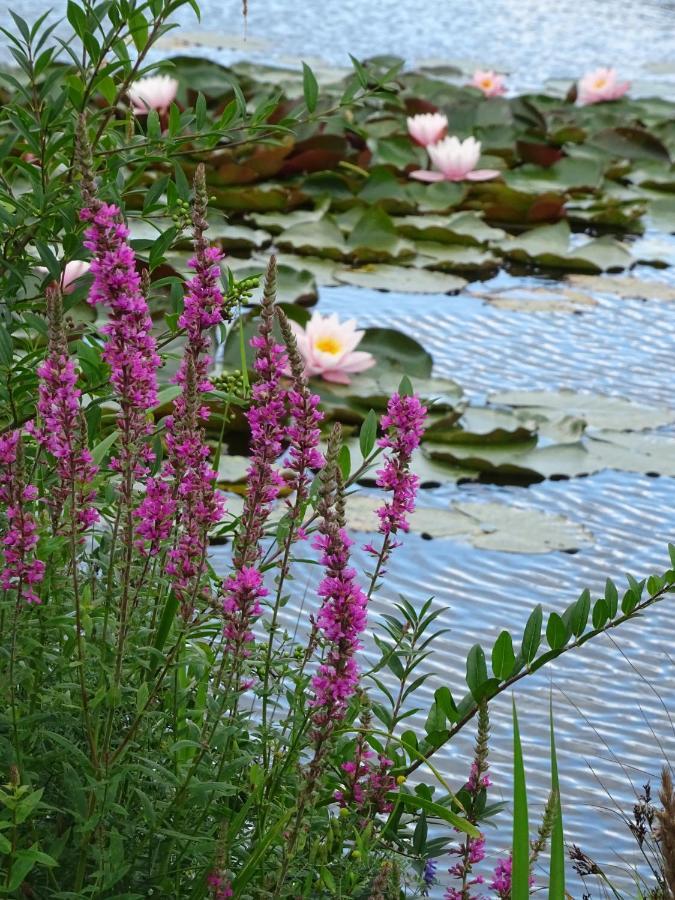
601,85
454,160
328,348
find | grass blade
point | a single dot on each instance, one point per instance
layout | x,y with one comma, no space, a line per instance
520,873
556,878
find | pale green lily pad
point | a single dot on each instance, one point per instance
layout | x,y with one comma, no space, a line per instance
597,410
374,239
459,228
276,222
322,269
232,469
482,425
321,238
549,246
564,175
240,237
491,526
400,279
538,299
626,287
454,257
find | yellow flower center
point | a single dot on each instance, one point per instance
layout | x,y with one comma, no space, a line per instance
600,83
328,345
486,83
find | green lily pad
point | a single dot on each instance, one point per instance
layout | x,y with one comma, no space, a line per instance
400,279
565,175
481,425
454,258
460,228
597,410
629,288
374,238
293,285
319,238
549,245
539,299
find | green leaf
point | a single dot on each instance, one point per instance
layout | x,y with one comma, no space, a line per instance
580,612
200,111
310,87
600,613
5,347
414,802
476,670
612,598
368,434
503,657
556,879
556,632
520,871
100,451
344,461
270,836
532,635
630,143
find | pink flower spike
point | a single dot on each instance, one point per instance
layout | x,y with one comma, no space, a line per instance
328,348
155,92
455,160
600,85
427,128
489,82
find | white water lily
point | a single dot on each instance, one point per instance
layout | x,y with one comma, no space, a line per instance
328,348
427,128
455,160
155,92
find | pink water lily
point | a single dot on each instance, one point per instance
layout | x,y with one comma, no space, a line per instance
600,85
427,128
489,82
455,160
328,348
155,92
72,270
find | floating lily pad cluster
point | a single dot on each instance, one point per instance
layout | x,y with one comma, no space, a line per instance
576,182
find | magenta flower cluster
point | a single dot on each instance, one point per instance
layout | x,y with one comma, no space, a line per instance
404,424
244,589
220,886
21,570
368,783
131,349
471,850
304,435
184,493
61,430
341,621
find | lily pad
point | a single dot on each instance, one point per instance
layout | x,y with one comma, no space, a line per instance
491,526
317,238
454,258
293,285
626,287
549,246
460,228
400,279
597,410
539,299
374,238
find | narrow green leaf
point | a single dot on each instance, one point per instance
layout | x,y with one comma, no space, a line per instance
600,613
532,634
612,598
368,434
100,451
503,657
414,802
520,871
580,612
310,87
259,850
476,670
556,878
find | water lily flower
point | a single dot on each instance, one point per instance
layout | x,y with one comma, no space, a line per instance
600,85
328,348
72,270
427,128
155,92
455,160
489,82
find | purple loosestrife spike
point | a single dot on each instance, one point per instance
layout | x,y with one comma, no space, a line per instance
185,489
62,431
131,350
404,425
303,432
342,617
367,784
244,589
21,569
